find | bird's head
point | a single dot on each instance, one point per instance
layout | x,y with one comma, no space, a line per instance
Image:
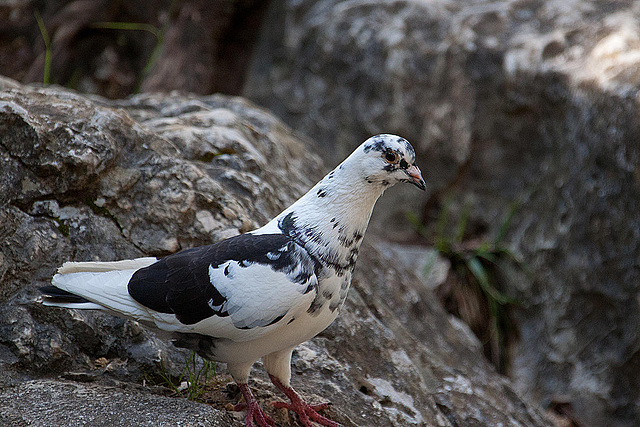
388,159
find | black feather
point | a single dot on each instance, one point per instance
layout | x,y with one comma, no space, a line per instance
180,283
55,294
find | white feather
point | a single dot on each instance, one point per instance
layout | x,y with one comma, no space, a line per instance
75,305
256,294
108,289
99,266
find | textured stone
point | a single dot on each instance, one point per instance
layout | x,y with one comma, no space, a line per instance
54,403
86,182
157,173
532,102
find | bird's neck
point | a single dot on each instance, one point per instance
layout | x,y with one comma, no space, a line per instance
331,219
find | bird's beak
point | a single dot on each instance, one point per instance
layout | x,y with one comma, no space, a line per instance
416,177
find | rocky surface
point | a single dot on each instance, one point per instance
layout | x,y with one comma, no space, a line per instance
86,178
59,403
527,102
521,101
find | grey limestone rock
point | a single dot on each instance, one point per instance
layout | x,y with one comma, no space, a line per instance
44,403
533,102
88,179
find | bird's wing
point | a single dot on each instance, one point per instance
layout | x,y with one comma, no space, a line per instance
234,289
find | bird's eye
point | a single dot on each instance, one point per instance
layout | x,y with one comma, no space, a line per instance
391,157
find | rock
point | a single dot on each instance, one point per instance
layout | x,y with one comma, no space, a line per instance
156,173
56,403
83,181
532,103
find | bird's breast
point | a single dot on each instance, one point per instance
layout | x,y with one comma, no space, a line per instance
332,292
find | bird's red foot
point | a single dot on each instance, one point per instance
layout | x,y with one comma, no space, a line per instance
305,412
254,412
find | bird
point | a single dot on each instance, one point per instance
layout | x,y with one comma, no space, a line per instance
255,295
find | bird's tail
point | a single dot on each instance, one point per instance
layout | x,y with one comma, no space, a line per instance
53,296
95,286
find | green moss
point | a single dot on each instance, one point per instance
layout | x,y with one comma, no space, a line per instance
102,211
208,157
62,227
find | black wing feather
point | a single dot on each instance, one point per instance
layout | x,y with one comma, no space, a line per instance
55,294
180,283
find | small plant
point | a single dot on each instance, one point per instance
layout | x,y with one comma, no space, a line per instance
119,26
196,373
47,48
472,291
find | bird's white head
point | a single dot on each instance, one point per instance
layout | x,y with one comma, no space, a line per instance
386,159
333,216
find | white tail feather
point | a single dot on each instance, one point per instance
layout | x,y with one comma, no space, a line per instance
102,283
99,266
76,305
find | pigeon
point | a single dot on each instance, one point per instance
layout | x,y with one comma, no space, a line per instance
259,294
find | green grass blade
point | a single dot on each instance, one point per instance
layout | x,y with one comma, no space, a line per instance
415,222
479,272
46,79
481,275
443,220
506,223
462,225
131,26
488,255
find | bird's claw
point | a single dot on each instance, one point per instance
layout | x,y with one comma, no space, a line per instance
257,414
254,413
307,413
253,410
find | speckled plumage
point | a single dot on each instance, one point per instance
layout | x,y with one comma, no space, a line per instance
260,294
